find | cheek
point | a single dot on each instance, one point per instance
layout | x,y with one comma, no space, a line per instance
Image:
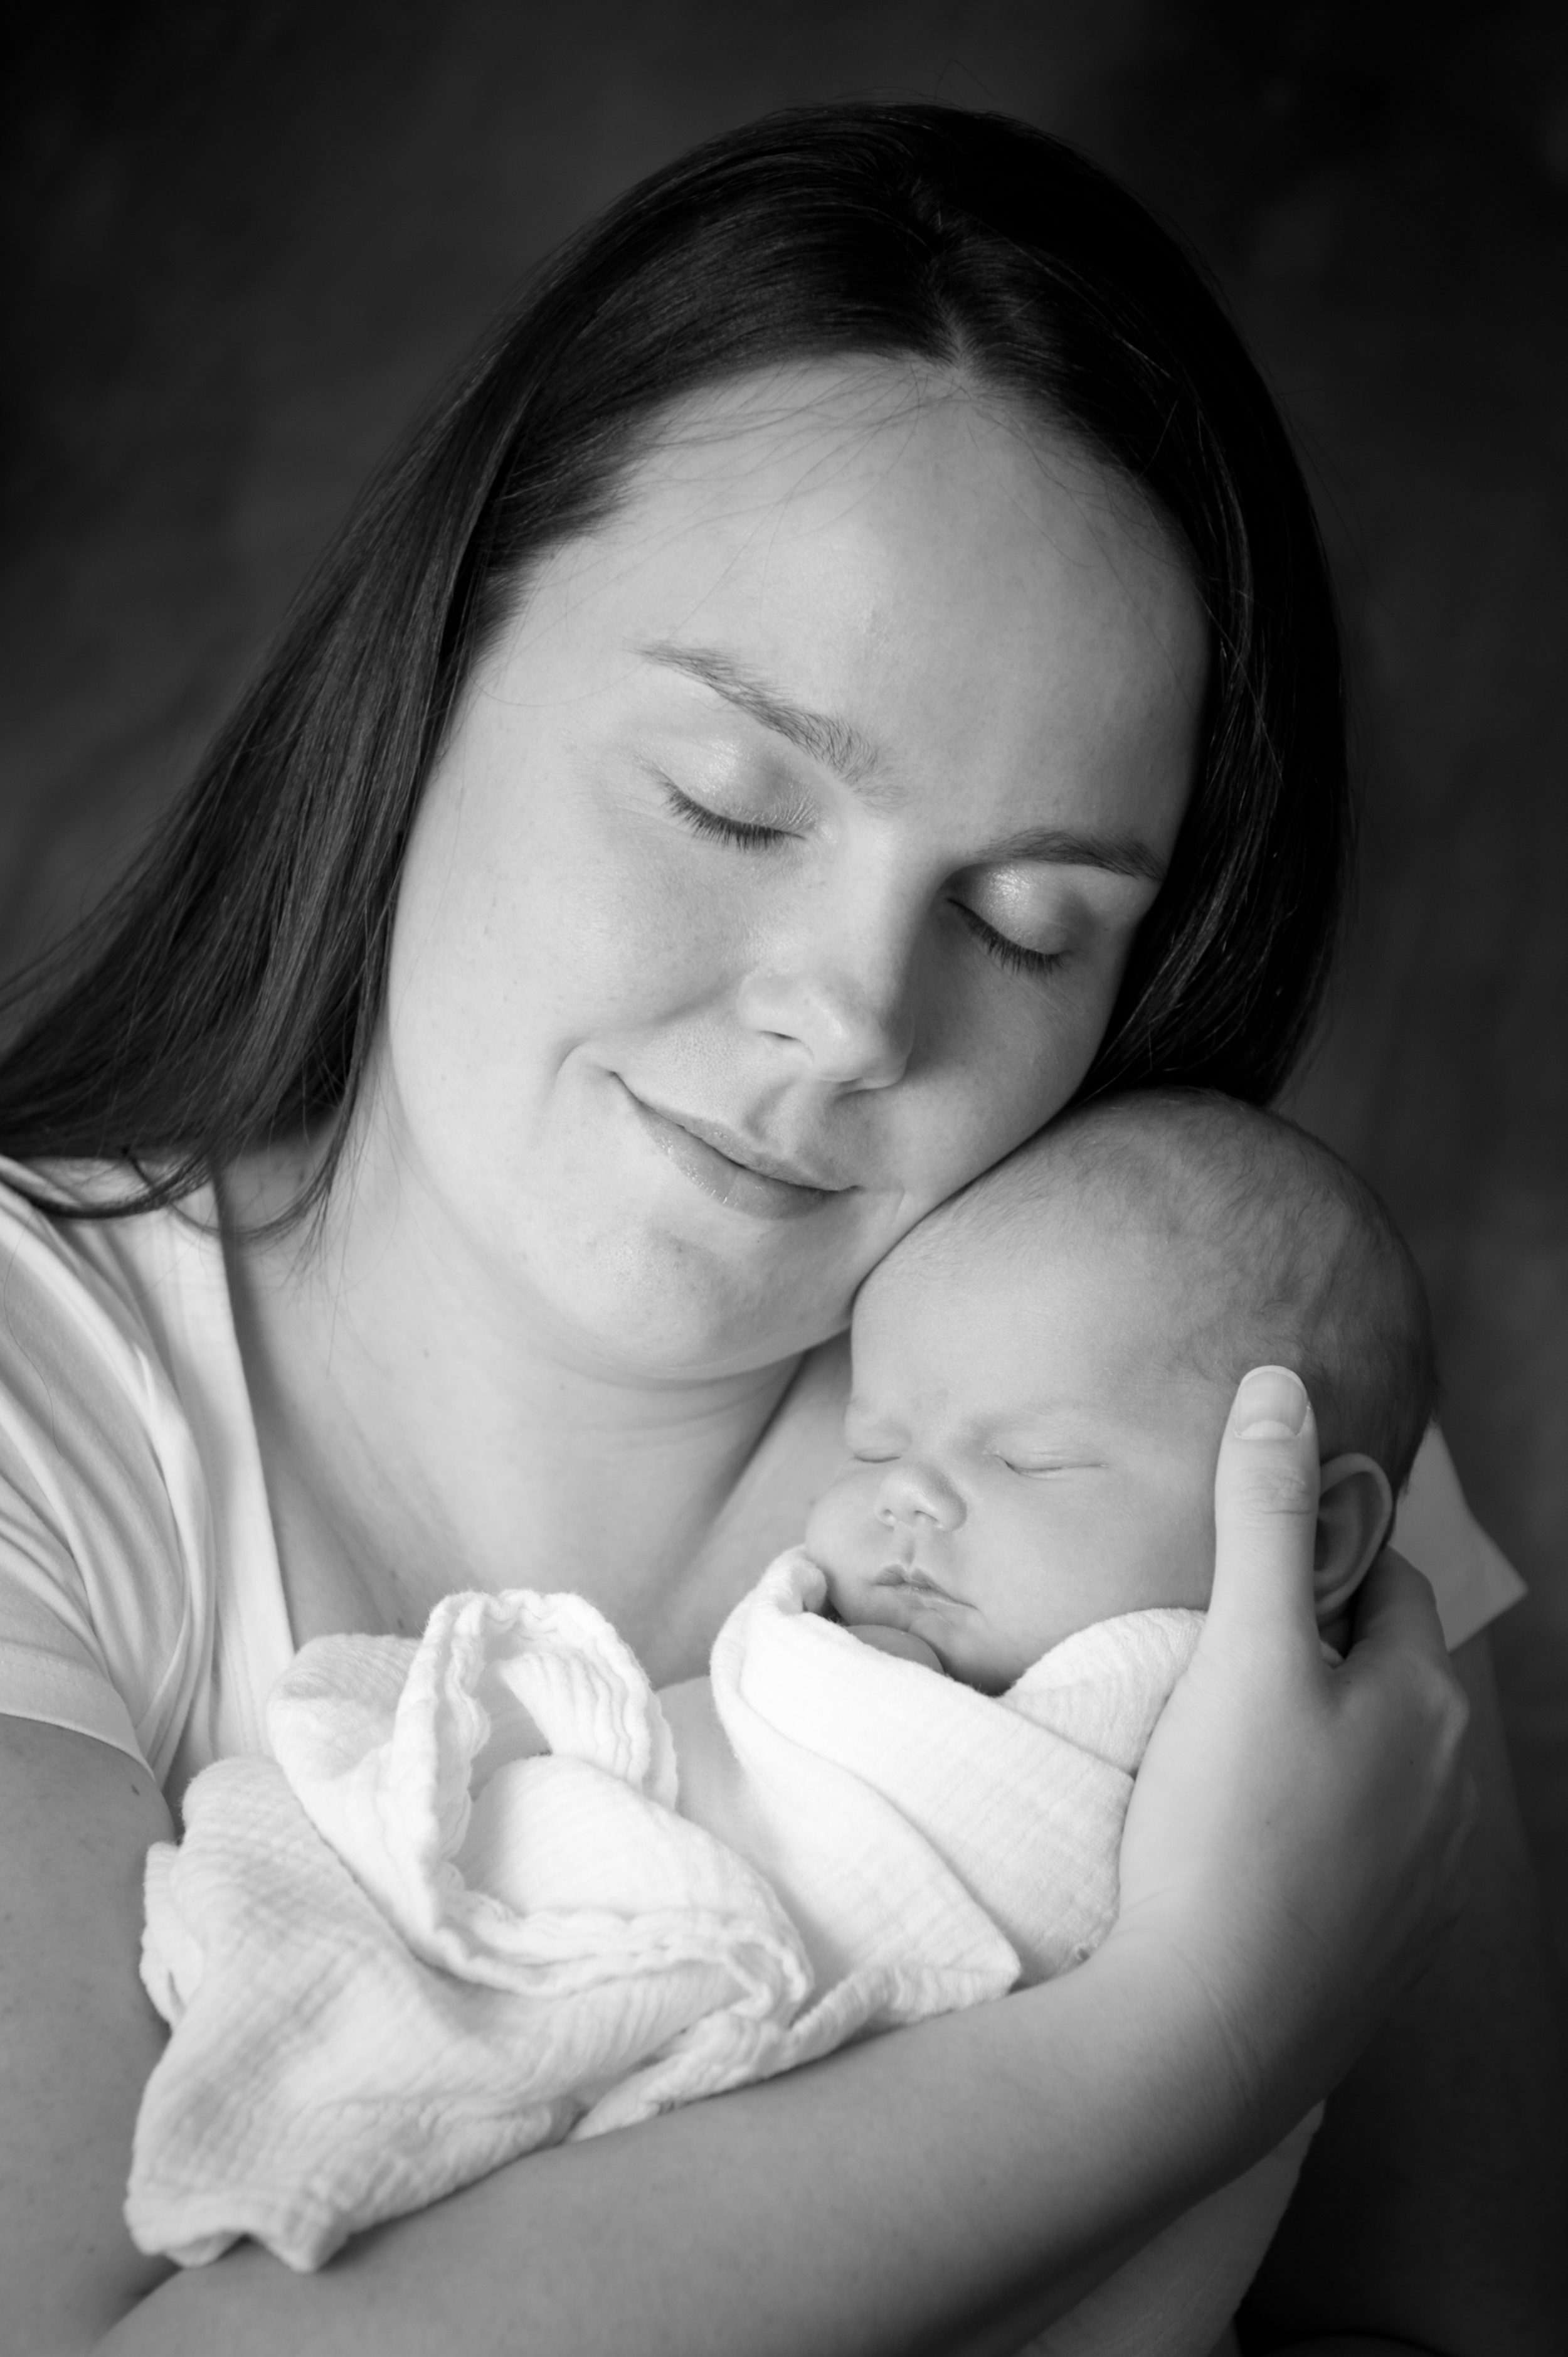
1002,1071
842,1523
531,920
1018,1529
1156,1539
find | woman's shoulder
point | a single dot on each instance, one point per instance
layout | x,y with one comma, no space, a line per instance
96,1603
118,1314
62,1240
125,1443
71,1318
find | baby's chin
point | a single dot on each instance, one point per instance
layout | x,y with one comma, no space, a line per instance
849,1597
960,1643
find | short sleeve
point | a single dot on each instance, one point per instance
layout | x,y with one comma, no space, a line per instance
1435,1530
51,1665
101,1503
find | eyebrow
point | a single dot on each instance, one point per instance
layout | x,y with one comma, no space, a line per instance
835,743
1117,855
842,747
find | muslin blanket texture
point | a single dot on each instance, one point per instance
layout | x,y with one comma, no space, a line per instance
491,1891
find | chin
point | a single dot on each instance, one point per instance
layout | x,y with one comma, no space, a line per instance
663,1306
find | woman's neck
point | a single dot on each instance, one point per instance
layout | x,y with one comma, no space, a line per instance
422,1431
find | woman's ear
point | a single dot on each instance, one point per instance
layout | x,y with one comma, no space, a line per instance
1355,1513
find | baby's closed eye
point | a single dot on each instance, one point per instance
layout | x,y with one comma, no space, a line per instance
1038,1466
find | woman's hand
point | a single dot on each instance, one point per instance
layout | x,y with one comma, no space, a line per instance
1288,1861
1292,1849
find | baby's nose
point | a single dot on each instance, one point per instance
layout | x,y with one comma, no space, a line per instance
913,1492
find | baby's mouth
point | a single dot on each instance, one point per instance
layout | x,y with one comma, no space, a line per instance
911,1580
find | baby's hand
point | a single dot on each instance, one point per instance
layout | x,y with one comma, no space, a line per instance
896,1640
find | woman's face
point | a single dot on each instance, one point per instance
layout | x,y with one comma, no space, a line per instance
783,862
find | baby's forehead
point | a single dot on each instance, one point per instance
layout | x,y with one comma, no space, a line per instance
1010,1266
1188,1236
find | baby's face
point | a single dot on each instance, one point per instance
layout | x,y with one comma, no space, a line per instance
1030,1454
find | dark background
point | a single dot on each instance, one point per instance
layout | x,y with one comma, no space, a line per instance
243,241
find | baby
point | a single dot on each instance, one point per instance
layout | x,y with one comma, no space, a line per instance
1043,1369
491,1891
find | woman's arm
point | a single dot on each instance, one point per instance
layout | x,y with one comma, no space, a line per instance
1289,1856
77,2036
844,2207
1433,2202
819,2208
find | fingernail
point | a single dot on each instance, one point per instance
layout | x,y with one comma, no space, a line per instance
1270,1406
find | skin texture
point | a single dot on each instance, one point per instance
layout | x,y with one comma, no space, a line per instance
1034,1451
539,1340
571,917
604,1314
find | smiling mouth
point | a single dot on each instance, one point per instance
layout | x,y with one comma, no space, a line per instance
731,1170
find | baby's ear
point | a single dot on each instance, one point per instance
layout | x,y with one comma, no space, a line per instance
1354,1511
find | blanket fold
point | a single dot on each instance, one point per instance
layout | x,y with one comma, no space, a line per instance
1020,1797
491,1891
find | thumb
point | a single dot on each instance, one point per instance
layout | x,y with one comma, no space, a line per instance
1265,1514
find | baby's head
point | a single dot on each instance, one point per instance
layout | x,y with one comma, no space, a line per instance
1044,1367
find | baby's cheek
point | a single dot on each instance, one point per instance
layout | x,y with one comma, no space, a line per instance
842,1529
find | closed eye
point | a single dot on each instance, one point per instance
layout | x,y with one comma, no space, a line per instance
1012,956
745,834
748,834
1040,1468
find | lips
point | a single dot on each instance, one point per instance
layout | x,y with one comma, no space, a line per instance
731,1170
745,1156
907,1580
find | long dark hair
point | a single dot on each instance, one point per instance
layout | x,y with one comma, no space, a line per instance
230,993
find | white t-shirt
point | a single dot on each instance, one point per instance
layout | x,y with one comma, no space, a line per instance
140,1596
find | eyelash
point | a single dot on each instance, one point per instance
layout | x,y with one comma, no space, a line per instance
1012,956
743,835
715,827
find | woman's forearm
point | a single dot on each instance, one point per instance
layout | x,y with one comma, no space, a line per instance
953,2188
1289,1858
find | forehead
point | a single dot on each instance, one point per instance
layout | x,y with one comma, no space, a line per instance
1044,1308
975,593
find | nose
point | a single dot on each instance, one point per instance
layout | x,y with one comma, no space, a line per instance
841,992
912,1494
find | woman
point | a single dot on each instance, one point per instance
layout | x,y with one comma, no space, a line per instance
849,669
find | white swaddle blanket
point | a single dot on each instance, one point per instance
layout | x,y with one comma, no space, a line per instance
457,1915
